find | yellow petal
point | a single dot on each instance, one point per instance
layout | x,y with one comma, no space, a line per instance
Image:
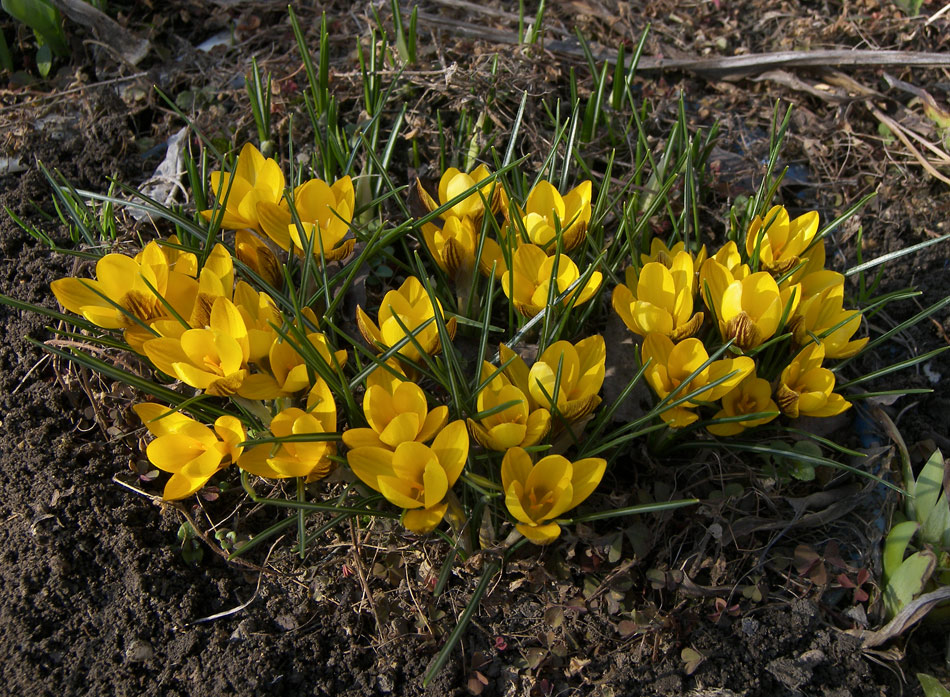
514,504
434,422
451,448
369,464
515,467
362,438
172,451
540,534
368,328
401,429
399,491
586,476
424,520
539,423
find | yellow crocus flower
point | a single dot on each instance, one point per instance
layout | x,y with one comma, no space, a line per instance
414,476
819,316
781,241
671,365
454,183
528,280
310,459
659,299
581,367
254,179
806,389
750,309
189,450
213,359
520,424
411,304
128,293
325,214
120,291
751,396
537,494
397,412
546,212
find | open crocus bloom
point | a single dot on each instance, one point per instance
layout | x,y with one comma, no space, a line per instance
671,365
806,389
325,214
659,299
191,451
518,424
780,241
537,494
529,280
397,412
577,373
410,307
214,359
546,213
302,458
751,396
414,476
128,293
255,179
750,309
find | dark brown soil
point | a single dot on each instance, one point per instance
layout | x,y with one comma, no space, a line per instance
96,598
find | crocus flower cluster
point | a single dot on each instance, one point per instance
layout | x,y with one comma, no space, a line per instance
531,250
198,325
211,334
772,299
522,405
